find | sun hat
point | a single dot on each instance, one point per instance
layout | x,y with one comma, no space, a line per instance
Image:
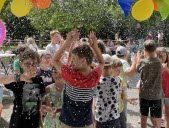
107,59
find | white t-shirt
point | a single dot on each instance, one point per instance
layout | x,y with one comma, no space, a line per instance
32,48
106,96
52,48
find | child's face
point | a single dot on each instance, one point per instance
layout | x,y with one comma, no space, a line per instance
46,59
116,71
56,75
56,37
28,63
76,62
163,56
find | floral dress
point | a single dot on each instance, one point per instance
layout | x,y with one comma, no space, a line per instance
55,98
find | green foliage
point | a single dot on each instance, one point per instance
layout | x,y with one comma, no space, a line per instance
102,16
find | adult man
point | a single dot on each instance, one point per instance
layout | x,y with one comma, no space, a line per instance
80,80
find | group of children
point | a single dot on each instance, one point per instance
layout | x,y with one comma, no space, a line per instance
87,90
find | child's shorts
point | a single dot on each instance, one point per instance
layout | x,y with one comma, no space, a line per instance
155,107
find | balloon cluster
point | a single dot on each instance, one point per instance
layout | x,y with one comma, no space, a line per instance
21,8
143,9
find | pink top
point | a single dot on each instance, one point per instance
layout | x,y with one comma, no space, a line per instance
165,83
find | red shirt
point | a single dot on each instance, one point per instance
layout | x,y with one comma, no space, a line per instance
78,80
165,83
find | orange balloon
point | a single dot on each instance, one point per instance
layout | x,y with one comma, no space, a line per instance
42,4
155,6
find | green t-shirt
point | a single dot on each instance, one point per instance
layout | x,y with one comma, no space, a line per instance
17,66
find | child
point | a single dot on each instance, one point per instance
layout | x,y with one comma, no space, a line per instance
31,44
17,67
44,69
54,101
116,69
79,82
55,40
162,54
106,100
27,95
150,86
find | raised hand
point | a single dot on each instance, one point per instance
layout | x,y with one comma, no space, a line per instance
134,59
26,76
72,36
92,39
164,65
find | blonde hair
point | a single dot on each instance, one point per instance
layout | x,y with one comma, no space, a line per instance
30,40
53,32
44,54
116,63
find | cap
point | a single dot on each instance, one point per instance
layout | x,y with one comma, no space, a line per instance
107,59
121,50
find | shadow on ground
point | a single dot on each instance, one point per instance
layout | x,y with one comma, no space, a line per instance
133,113
3,123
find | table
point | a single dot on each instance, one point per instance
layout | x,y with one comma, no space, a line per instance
10,64
41,51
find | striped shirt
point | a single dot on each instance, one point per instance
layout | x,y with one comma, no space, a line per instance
78,96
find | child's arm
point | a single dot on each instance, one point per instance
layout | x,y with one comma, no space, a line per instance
93,113
131,71
71,36
164,65
40,121
93,44
26,76
125,97
70,53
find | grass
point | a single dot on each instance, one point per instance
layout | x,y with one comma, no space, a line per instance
9,48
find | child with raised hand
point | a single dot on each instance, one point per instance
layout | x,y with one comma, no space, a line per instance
80,80
162,54
150,86
106,101
27,93
53,101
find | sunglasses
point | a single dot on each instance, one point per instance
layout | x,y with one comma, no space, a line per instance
31,64
47,58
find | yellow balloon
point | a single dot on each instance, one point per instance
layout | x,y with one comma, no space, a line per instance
20,8
2,4
142,9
